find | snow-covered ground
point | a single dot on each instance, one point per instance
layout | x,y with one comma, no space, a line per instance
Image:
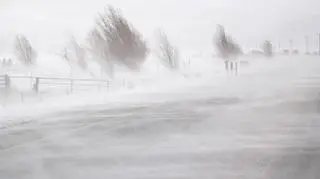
262,124
22,101
152,75
152,78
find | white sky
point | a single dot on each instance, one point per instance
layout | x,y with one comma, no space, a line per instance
189,23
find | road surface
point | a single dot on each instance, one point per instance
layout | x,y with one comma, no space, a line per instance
262,125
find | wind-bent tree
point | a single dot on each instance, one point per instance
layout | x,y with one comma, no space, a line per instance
98,47
167,53
227,48
115,40
74,54
24,51
78,53
225,45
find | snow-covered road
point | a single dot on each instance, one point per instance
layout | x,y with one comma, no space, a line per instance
259,125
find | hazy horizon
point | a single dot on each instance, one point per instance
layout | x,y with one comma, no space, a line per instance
190,24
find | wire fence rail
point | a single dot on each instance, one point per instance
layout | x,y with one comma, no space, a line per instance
2,82
37,82
18,88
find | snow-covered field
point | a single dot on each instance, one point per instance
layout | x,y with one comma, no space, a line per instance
22,101
151,76
262,124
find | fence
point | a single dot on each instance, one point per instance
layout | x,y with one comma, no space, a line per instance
38,84
4,82
15,88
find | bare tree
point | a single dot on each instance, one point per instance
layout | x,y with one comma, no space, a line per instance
98,47
78,53
114,40
167,53
24,51
227,48
225,45
74,54
65,55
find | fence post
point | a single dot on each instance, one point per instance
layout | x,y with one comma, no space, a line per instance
71,85
108,85
236,66
22,97
36,85
100,85
7,81
124,84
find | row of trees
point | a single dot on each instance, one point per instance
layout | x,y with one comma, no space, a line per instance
112,41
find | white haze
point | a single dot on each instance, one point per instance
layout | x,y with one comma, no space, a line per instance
199,122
